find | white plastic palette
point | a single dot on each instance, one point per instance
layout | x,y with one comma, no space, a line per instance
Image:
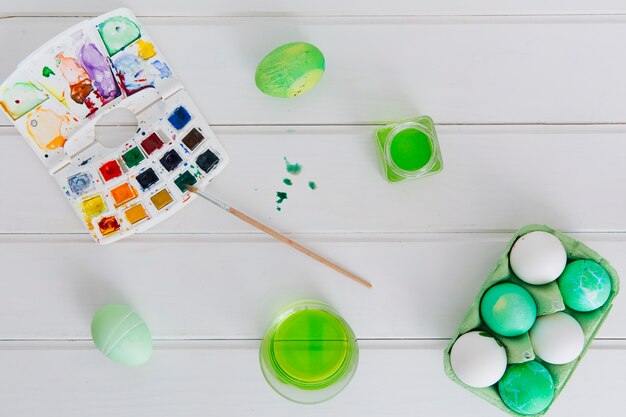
59,92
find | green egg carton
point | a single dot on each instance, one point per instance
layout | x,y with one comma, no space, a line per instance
548,299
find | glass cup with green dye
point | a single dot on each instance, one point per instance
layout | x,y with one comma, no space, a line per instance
309,354
409,149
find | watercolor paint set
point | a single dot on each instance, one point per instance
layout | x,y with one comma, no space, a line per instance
57,95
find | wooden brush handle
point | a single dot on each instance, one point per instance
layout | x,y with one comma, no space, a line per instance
297,246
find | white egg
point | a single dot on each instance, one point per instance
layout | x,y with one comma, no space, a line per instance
557,338
478,359
538,258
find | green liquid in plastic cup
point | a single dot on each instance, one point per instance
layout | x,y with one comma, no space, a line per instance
309,354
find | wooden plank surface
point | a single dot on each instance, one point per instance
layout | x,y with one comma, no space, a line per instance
464,70
222,287
195,379
546,90
304,7
495,178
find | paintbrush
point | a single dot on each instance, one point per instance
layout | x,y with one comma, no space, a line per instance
279,236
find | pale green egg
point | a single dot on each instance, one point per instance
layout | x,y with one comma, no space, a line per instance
290,70
121,335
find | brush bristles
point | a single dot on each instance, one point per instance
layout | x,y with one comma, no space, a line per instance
192,188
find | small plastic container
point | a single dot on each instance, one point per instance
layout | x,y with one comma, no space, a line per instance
309,354
409,149
549,301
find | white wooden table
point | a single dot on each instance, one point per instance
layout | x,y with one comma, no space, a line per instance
530,104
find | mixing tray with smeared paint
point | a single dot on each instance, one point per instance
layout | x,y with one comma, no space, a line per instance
59,92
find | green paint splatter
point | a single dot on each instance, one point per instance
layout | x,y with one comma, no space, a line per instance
281,196
293,169
47,72
312,185
287,181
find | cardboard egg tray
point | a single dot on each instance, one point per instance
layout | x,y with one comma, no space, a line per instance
548,299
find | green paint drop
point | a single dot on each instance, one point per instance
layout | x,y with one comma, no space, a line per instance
411,149
312,185
281,196
47,72
311,347
287,181
293,169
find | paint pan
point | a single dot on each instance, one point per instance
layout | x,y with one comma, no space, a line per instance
133,157
193,139
171,160
152,143
147,178
57,95
136,214
162,199
123,193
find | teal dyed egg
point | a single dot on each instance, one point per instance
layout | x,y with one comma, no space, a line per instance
585,285
290,70
508,309
527,388
121,335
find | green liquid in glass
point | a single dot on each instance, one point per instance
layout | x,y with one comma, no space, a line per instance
310,349
411,149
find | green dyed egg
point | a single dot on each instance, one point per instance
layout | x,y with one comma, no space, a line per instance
527,388
290,70
508,309
585,285
121,335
